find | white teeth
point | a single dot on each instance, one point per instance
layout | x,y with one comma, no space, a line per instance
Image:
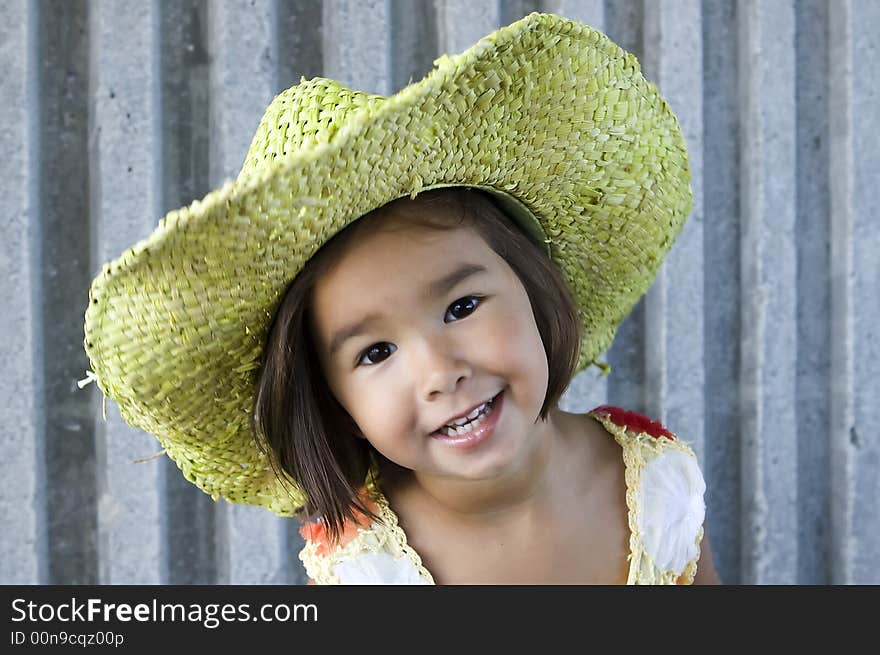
469,422
469,417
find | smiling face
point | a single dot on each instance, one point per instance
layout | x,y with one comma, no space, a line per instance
445,324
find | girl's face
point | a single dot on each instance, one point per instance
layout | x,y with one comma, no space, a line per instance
416,326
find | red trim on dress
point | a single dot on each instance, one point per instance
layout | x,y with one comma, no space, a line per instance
633,421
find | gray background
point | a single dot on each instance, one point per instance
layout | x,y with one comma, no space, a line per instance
757,344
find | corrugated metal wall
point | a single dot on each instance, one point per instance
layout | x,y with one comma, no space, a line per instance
758,343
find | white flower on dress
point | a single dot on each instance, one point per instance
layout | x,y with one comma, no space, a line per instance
377,568
671,509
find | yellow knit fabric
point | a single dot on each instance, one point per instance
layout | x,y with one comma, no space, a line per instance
638,448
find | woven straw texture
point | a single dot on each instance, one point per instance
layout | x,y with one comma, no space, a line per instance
547,110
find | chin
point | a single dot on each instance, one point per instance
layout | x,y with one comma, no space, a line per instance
498,460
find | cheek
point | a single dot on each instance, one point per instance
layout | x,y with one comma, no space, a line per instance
372,407
386,425
517,343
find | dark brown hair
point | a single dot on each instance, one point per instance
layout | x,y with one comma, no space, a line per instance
307,434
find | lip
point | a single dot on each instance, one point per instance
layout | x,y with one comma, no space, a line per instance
464,413
478,434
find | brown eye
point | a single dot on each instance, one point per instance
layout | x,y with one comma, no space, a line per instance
377,353
463,307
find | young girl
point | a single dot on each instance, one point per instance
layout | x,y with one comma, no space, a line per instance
371,328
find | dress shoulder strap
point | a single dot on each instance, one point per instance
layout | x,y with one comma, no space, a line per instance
664,495
367,551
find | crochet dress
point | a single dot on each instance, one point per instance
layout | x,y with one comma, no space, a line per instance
664,498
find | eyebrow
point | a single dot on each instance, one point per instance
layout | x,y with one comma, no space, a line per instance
436,288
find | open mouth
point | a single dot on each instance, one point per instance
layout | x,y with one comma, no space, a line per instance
476,426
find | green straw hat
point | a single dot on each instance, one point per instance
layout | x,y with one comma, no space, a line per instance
547,114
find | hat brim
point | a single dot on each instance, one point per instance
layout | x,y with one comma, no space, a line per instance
546,110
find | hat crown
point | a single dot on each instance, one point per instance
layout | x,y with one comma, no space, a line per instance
305,115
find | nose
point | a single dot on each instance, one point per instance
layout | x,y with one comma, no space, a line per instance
442,370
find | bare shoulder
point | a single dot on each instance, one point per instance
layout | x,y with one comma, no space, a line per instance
597,493
584,433
597,447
